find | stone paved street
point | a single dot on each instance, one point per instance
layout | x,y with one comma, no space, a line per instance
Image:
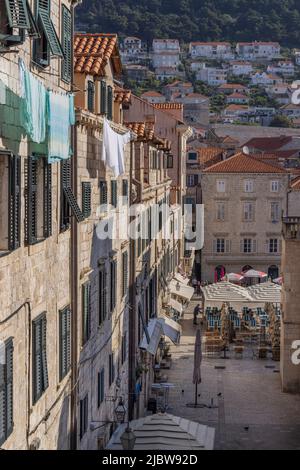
251,412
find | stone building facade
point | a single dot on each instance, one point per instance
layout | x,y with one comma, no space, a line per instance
290,322
35,240
103,264
244,200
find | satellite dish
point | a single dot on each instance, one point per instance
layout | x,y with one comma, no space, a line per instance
246,150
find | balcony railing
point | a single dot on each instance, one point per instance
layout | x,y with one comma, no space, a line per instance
291,228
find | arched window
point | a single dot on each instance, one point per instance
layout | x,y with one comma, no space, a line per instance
273,272
220,272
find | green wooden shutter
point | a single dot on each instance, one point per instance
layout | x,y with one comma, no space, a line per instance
102,295
103,193
9,387
44,353
125,188
103,98
37,360
125,273
86,199
17,12
101,384
114,193
83,416
2,404
47,200
14,224
91,96
44,12
65,341
32,201
86,312
113,285
6,392
110,102
66,44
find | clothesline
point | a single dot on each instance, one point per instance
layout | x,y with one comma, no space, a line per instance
46,115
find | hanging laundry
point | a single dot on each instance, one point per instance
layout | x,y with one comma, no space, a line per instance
34,102
60,117
113,149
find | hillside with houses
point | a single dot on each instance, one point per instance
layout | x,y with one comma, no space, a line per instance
248,83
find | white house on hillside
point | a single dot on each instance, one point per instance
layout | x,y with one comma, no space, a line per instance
258,50
211,50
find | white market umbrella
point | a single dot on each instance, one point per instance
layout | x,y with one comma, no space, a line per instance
233,277
252,273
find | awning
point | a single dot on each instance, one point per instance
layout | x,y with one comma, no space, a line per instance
180,278
157,328
166,432
155,332
176,306
181,290
171,329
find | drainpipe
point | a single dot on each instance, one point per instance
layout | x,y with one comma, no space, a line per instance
74,280
132,304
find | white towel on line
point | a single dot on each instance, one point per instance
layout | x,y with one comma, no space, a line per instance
113,149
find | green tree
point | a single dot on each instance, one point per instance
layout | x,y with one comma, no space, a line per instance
281,121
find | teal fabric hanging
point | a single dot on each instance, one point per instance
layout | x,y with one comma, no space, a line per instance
34,105
61,116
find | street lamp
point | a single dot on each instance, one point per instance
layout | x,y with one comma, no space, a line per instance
120,412
128,439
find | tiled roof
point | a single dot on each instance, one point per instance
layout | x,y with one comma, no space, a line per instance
236,107
153,94
230,140
269,143
296,184
214,43
178,82
93,51
168,106
238,96
196,95
145,131
229,86
122,96
209,155
241,163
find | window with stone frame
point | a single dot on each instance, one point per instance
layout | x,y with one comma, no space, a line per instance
249,212
38,192
273,245
221,211
248,245
10,202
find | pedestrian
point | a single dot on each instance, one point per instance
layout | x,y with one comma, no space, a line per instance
197,310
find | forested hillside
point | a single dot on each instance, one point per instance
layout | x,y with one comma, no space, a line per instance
233,20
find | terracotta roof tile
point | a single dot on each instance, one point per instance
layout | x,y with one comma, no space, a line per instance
152,93
268,143
122,96
168,105
93,51
241,163
296,184
209,155
145,132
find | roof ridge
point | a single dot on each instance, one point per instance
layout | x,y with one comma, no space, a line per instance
247,158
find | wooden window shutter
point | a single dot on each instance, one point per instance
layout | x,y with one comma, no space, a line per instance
91,96
47,200
110,102
102,295
17,12
66,65
103,193
125,188
44,353
14,202
6,393
125,273
9,387
103,98
65,341
114,193
32,201
113,285
86,199
40,368
101,384
86,312
44,12
69,195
